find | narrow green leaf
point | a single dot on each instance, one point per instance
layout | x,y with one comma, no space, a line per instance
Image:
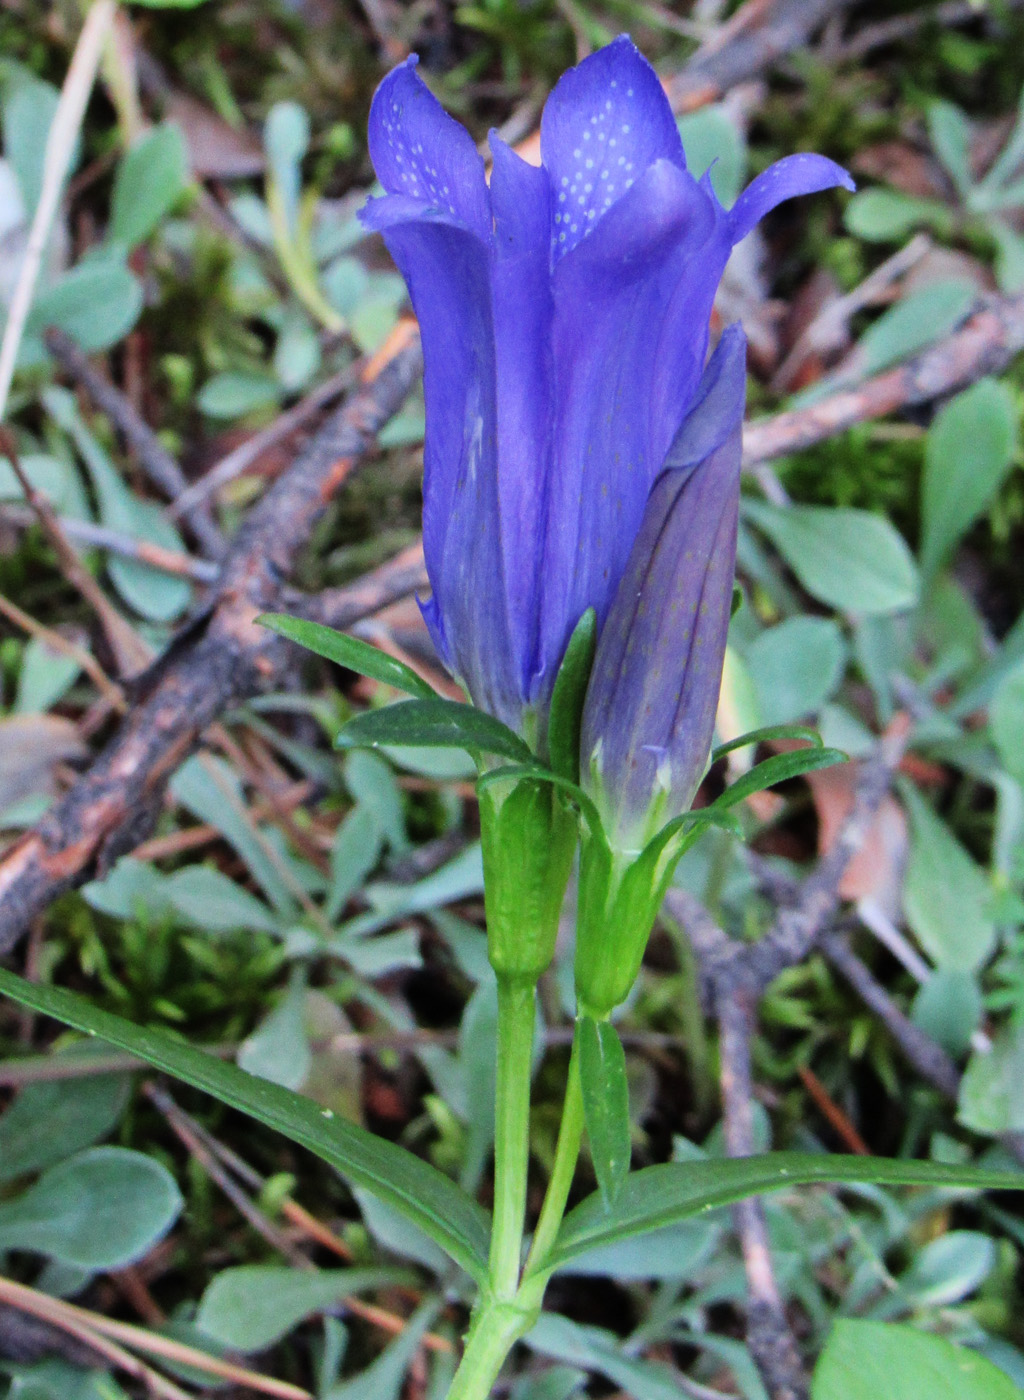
605,1104
413,1187
350,652
674,1191
566,716
778,769
768,736
945,892
432,724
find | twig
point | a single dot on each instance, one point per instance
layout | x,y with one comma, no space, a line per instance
131,652
249,452
754,38
825,331
219,660
25,1338
184,1129
69,1315
60,1315
793,934
60,145
56,642
769,1337
987,340
891,31
158,464
15,1073
831,1111
929,1059
206,1150
157,556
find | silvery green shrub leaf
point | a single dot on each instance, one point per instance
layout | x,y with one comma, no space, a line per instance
945,893
252,1307
851,559
991,1097
968,453
883,216
149,182
53,1119
98,1210
795,667
864,1360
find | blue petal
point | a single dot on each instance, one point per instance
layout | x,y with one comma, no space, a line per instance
795,175
630,334
447,272
650,708
418,150
523,309
606,122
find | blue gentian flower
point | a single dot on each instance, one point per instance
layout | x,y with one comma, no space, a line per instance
564,313
649,714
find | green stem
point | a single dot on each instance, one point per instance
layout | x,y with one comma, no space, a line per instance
516,1016
500,1320
570,1136
494,1332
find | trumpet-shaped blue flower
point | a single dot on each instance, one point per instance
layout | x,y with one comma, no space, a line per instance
564,312
649,715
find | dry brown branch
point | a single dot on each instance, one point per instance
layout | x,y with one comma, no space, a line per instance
102,1336
754,39
131,652
86,532
769,1335
985,343
218,661
734,976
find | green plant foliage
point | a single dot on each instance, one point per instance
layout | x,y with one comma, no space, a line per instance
148,184
946,895
969,452
849,559
675,1191
605,1104
410,1185
250,1308
865,1359
101,1209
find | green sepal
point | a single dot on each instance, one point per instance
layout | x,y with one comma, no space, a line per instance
605,1104
619,899
528,832
565,719
767,736
777,769
434,723
586,805
350,652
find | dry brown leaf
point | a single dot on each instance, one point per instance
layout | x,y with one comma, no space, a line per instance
876,871
31,746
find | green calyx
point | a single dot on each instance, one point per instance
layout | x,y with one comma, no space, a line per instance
619,901
528,832
620,895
